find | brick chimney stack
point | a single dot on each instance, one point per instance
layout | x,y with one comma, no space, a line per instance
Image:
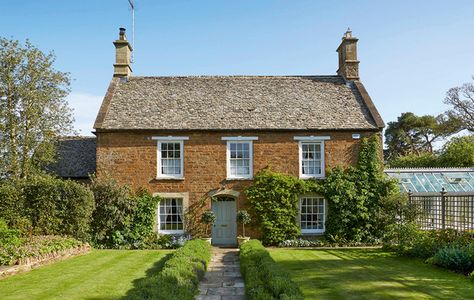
348,63
122,67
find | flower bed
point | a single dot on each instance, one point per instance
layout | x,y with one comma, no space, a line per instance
36,248
444,248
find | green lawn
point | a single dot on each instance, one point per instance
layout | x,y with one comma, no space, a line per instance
369,274
102,274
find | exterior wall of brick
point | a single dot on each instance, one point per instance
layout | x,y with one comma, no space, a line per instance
131,158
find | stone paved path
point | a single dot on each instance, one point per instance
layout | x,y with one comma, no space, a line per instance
223,280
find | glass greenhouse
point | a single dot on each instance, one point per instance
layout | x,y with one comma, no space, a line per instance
452,209
433,180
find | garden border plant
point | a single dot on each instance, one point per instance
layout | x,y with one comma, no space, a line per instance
446,248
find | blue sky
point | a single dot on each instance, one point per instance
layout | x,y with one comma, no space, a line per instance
411,52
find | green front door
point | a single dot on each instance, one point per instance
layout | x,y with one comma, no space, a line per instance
224,231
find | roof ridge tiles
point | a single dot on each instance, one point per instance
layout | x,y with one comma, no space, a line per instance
236,76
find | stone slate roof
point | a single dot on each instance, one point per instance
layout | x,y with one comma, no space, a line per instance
237,103
76,157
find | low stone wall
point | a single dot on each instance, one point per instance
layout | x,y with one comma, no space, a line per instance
29,263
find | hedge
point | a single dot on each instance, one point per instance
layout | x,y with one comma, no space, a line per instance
263,278
180,275
45,205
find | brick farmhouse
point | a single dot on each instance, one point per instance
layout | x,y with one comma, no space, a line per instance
188,138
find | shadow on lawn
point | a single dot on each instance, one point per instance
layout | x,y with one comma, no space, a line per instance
139,284
371,273
135,292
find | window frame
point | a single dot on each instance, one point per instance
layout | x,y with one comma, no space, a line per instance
239,140
324,214
167,140
177,231
319,140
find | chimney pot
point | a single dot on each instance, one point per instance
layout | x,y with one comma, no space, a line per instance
348,34
122,33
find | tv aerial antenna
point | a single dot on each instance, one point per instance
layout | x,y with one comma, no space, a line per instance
132,6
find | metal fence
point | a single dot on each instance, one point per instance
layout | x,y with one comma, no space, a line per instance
443,210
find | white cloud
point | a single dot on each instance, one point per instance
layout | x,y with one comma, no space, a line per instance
85,108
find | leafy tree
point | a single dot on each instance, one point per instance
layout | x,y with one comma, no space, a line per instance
33,108
412,134
462,101
459,152
424,160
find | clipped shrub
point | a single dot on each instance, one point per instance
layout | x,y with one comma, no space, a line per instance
208,218
263,278
243,217
180,275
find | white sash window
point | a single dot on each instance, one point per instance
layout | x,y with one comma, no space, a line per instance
170,216
170,157
240,157
311,156
312,214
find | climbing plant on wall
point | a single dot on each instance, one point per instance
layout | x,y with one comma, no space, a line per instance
354,198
